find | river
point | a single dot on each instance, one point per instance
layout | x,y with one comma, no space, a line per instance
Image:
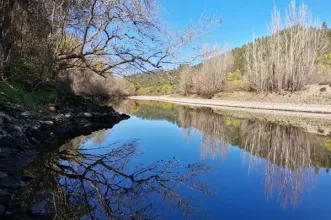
175,162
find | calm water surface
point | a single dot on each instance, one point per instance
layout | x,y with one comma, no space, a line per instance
173,162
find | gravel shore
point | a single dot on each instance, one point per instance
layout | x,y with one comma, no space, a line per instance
288,109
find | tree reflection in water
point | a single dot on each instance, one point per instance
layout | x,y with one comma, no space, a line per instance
100,183
290,167
290,156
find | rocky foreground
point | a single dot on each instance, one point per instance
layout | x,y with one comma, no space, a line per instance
25,134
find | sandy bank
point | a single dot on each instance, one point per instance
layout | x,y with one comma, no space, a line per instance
288,109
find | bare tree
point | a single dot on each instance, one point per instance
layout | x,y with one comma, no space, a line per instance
120,36
105,36
285,59
186,84
209,78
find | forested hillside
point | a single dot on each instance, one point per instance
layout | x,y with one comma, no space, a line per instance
156,82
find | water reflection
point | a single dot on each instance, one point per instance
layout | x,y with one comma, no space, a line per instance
289,152
291,157
100,182
93,178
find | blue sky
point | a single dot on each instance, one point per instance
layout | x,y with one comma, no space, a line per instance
241,18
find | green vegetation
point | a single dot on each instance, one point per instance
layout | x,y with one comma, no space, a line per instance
234,80
156,90
156,83
157,78
156,110
328,144
324,61
22,96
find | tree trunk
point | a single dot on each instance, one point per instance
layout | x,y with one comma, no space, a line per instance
6,38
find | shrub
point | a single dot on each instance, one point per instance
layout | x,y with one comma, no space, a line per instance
156,90
166,88
234,80
328,144
324,61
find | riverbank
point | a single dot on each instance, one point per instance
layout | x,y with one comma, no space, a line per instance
25,133
263,107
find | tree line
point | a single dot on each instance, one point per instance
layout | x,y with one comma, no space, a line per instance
288,59
296,52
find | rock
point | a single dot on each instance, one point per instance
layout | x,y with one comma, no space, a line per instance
88,124
5,152
34,135
35,126
14,130
12,182
88,115
5,117
4,134
84,121
125,116
26,114
4,192
47,122
320,131
2,209
26,178
8,213
68,115
12,165
2,175
52,108
13,143
20,122
323,89
57,117
34,141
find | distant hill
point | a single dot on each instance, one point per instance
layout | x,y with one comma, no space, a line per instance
156,80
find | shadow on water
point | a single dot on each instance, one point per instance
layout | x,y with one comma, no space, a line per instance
290,156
